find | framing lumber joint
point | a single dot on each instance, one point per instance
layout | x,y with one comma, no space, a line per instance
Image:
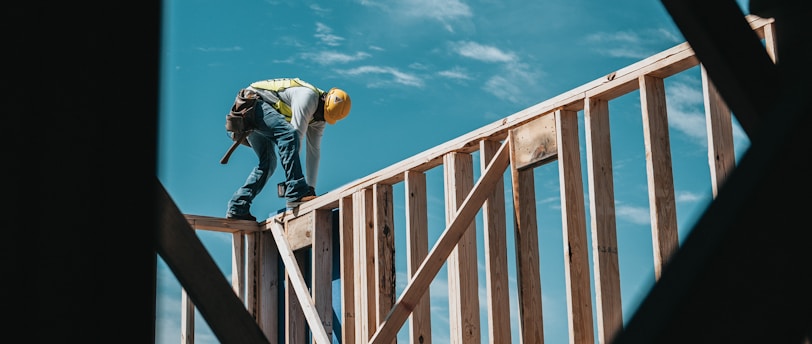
299,230
534,143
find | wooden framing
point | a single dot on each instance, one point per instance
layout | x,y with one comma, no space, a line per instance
371,310
527,253
463,294
496,267
663,208
573,218
602,218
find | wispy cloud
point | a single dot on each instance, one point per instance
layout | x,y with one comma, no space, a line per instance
444,12
333,57
219,50
636,215
481,52
320,11
325,34
395,76
457,73
686,111
689,197
515,77
631,44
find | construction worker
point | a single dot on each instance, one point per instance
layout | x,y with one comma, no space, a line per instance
290,109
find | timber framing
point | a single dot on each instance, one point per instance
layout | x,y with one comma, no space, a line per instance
361,214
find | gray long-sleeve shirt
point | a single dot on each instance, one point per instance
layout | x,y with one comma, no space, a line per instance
303,102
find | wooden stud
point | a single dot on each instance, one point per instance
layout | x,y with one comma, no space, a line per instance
496,269
416,251
528,278
573,220
663,208
347,256
602,219
442,249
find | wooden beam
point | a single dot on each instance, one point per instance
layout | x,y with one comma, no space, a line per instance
662,205
219,224
496,268
366,319
721,153
442,249
268,289
295,321
299,230
348,263
573,219
298,283
417,249
252,261
383,236
525,229
187,318
238,264
199,275
322,267
463,288
602,218
534,142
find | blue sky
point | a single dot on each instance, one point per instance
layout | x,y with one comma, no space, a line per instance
419,73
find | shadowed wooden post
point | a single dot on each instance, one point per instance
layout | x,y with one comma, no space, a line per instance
662,206
252,260
238,264
721,155
268,315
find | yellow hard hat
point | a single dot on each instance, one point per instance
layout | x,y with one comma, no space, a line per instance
336,105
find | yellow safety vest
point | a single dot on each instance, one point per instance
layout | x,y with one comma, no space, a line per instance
279,85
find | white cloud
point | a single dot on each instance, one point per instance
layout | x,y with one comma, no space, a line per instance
514,80
397,76
686,111
220,50
443,12
439,10
458,73
325,34
628,44
636,215
687,196
319,10
481,52
331,57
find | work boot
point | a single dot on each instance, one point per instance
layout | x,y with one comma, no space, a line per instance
246,216
309,196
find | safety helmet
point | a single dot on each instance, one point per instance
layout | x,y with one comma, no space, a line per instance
336,105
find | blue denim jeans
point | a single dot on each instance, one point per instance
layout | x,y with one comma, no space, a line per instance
272,133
